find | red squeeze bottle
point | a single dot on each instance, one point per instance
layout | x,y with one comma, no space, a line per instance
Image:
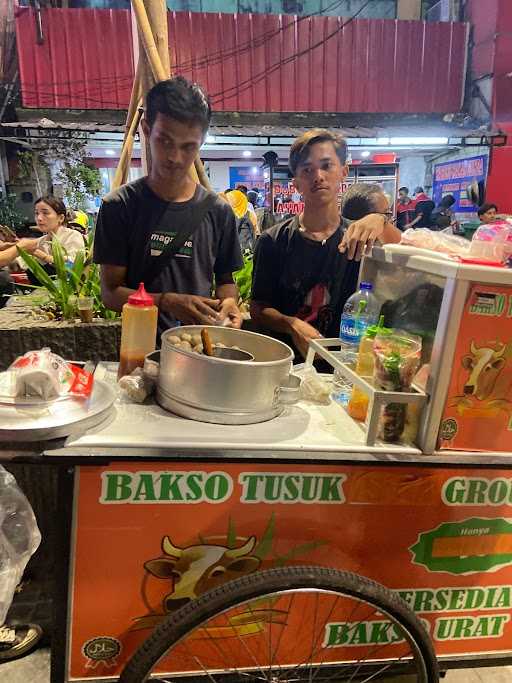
138,331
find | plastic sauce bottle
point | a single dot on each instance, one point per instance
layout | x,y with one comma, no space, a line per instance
358,404
138,331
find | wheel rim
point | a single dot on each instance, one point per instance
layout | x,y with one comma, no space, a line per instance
301,635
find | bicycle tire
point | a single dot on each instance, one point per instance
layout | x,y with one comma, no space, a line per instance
259,584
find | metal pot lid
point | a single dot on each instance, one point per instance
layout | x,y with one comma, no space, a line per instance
55,419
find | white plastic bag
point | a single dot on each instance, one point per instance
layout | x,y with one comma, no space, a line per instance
19,538
444,242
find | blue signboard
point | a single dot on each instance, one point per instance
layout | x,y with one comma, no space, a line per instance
250,176
453,177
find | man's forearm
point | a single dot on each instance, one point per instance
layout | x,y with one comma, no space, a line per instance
228,290
270,318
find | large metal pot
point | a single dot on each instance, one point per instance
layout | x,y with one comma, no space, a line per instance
219,390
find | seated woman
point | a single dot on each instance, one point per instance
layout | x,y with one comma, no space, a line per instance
306,267
51,219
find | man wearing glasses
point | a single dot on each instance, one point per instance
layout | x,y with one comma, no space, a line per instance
306,267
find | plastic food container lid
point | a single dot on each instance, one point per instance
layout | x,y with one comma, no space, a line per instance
141,297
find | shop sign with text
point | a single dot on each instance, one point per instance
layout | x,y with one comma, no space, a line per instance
441,537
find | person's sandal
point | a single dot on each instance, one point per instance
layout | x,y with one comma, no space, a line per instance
18,640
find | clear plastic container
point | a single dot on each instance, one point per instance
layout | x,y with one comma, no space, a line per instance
397,357
358,404
138,331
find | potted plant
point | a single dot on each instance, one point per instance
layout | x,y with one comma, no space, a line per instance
75,287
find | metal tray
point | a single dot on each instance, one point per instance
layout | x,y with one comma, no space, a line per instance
55,419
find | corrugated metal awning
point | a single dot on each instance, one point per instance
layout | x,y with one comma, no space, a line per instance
440,130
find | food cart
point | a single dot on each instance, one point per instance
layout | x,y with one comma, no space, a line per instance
145,488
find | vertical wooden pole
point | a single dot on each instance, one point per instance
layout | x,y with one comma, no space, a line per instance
153,65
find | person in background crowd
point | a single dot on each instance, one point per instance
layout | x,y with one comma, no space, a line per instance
138,220
442,215
405,207
487,213
51,219
253,198
423,210
306,267
78,220
420,195
258,198
250,205
9,250
247,228
362,199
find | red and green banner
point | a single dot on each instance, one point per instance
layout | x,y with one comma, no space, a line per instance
151,536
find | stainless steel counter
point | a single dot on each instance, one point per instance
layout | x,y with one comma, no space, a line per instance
303,432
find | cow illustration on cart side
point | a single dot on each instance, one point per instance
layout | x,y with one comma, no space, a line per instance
488,379
200,568
195,569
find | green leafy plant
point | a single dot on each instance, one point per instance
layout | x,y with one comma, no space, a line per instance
25,159
82,278
243,277
67,161
9,214
79,182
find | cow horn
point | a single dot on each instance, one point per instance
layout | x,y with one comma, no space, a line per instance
245,549
473,348
171,549
499,354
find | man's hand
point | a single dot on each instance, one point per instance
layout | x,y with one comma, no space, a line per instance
6,245
302,332
29,245
230,312
361,235
190,309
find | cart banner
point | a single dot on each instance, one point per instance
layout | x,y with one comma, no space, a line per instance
454,177
478,410
150,537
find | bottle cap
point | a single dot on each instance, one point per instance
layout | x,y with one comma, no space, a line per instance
372,331
141,297
366,285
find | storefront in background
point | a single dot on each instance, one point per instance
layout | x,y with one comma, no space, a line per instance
282,195
455,177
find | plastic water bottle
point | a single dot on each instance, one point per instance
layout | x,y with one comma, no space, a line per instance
360,311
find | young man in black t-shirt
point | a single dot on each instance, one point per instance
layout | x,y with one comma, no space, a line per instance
138,220
306,267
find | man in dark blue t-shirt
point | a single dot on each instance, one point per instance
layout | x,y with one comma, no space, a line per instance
137,221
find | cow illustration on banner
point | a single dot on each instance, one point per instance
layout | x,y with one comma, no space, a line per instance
186,573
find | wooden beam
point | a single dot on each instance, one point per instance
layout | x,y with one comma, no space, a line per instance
150,48
153,66
121,174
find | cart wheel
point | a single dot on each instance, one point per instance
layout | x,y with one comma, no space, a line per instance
293,624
